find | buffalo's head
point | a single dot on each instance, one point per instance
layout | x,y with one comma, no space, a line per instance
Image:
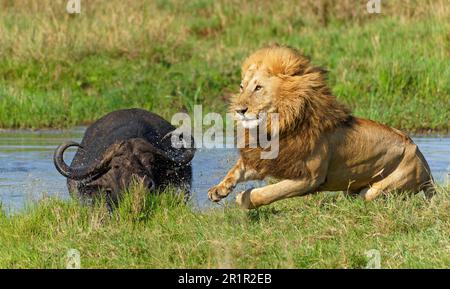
120,164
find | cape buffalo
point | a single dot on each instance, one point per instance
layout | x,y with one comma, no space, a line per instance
122,146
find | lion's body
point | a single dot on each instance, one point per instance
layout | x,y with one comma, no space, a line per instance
355,156
321,146
367,154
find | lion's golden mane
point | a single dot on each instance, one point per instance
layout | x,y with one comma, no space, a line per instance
304,102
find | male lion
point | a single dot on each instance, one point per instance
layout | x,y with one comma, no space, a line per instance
322,147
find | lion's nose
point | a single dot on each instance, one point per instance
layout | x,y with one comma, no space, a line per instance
241,110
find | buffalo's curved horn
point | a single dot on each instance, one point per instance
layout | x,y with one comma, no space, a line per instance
182,155
78,173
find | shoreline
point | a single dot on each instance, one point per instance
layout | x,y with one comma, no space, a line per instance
81,128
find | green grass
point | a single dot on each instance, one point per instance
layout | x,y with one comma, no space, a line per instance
321,231
58,70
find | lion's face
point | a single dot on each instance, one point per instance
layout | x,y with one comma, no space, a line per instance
256,97
280,80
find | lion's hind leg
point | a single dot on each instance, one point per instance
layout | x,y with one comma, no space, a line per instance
370,193
398,180
394,181
411,175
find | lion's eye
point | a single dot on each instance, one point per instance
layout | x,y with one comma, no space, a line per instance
241,87
258,87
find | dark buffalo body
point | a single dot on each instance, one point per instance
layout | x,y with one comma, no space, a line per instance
122,146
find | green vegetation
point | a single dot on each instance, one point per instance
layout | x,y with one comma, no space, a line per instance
162,232
57,70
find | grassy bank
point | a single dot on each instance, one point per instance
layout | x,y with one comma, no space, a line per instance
162,232
57,70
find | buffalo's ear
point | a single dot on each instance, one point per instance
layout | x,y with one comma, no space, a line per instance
143,150
140,145
116,149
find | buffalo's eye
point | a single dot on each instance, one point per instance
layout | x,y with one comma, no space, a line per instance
258,88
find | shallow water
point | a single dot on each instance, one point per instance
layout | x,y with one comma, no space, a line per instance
27,172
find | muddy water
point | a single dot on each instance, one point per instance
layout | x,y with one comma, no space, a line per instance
27,172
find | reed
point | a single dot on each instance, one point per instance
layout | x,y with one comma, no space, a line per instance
58,70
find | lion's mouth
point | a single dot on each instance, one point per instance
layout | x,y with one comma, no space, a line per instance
250,121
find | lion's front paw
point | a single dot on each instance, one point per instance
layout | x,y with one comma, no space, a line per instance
243,200
218,192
